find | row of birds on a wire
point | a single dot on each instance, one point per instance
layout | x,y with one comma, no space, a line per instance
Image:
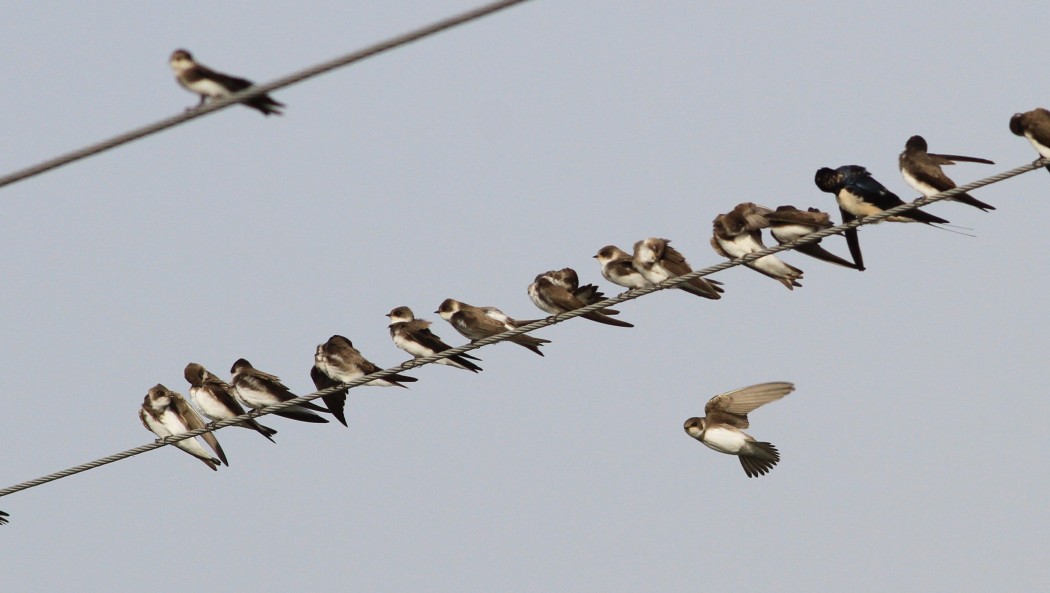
736,234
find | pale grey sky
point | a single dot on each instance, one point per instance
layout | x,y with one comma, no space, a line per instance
913,451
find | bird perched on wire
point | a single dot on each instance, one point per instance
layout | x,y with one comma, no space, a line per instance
858,195
726,415
739,233
922,170
618,268
1034,125
214,398
257,389
208,83
558,291
788,224
477,323
656,260
166,413
414,336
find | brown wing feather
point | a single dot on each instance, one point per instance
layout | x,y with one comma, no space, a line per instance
744,400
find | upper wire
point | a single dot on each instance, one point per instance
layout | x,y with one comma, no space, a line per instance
254,91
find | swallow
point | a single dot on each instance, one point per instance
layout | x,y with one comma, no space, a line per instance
922,170
476,323
3,518
206,82
618,268
558,296
726,415
1034,125
338,360
788,223
739,233
257,389
166,413
588,293
658,261
414,336
214,398
858,195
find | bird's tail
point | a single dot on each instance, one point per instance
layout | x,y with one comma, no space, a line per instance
530,342
759,458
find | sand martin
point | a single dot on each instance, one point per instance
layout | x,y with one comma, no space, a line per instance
214,398
656,260
618,268
922,170
1034,125
257,389
726,415
206,82
555,293
476,323
739,233
338,360
166,413
588,293
414,336
788,223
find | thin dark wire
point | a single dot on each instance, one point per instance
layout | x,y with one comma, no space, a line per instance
254,91
555,319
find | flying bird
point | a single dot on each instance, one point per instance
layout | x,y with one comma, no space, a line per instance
206,82
726,415
338,360
922,170
657,261
739,233
476,323
414,336
788,223
166,413
257,389
556,292
1034,125
618,268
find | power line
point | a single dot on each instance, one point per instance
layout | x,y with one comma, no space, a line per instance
552,320
257,90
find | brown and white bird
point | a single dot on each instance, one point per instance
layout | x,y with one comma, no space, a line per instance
166,413
657,261
739,233
558,291
788,223
208,83
214,398
338,360
476,323
414,336
618,268
726,415
1034,125
922,171
257,389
